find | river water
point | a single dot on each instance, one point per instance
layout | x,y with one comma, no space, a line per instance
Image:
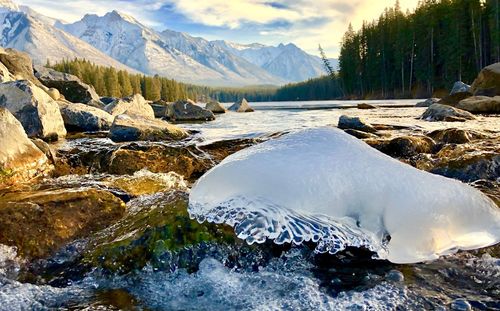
296,279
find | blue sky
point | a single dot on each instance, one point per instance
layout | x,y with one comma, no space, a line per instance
304,22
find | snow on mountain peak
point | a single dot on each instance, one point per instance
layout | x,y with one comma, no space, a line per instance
7,5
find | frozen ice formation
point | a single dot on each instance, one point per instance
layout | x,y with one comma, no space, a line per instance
325,186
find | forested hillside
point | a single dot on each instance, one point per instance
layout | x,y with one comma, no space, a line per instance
405,54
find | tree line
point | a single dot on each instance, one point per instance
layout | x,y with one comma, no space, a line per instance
416,54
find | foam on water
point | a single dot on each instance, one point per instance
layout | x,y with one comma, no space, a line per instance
325,186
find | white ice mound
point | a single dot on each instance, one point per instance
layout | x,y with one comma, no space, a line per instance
326,186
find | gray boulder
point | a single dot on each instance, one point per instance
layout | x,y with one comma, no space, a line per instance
20,159
68,85
187,110
19,64
159,110
241,106
133,105
427,102
460,87
215,107
80,117
133,128
480,104
438,112
34,108
355,123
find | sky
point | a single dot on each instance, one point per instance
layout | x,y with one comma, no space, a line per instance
306,23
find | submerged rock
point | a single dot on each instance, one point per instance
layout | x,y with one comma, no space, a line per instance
133,105
215,107
80,117
187,110
20,159
427,102
144,182
355,123
68,85
241,106
438,112
133,128
34,108
65,215
480,104
488,81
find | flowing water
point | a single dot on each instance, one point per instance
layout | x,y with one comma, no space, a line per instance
295,278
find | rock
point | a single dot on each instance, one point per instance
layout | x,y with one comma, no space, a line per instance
54,93
160,108
46,149
427,102
215,107
5,75
460,87
68,85
360,134
219,150
133,105
460,305
408,146
454,136
83,118
480,104
438,112
241,106
19,64
40,223
395,276
108,100
186,110
355,123
488,81
132,128
20,159
454,99
144,182
34,108
366,106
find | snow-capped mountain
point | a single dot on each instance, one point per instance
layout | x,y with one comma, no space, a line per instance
24,30
286,61
171,54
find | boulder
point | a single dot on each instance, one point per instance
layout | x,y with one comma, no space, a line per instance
19,64
5,75
480,104
132,128
241,106
68,85
160,110
438,112
84,118
39,223
133,105
488,81
454,136
215,107
187,110
454,99
408,146
427,102
355,123
460,87
365,106
20,159
34,108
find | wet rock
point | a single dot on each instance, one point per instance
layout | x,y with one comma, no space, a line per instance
407,146
68,85
133,105
133,128
19,64
64,215
360,134
428,102
34,108
187,110
438,112
491,189
460,305
80,117
395,276
219,150
365,106
488,81
20,159
46,149
144,182
215,107
454,136
241,106
355,123
454,99
460,87
480,104
469,167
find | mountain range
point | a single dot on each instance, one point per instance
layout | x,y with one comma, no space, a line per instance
121,41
